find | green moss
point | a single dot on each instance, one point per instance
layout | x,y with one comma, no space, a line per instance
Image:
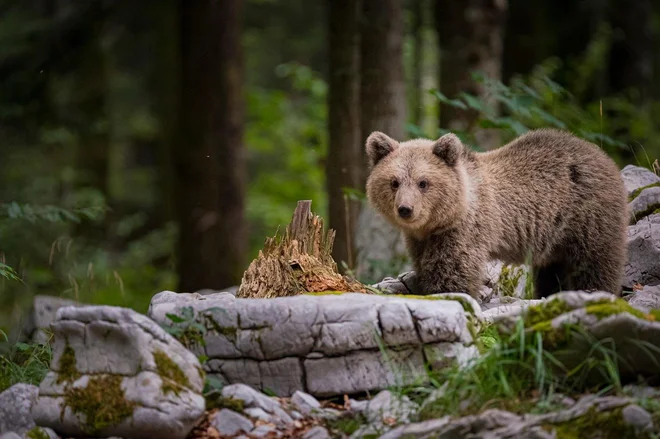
102,403
602,309
346,424
603,425
68,372
215,401
37,433
173,377
325,293
545,312
636,192
227,331
650,210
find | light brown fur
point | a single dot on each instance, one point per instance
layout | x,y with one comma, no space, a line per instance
547,197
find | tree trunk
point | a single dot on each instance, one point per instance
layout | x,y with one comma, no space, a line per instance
418,50
383,108
90,111
344,166
209,158
470,33
631,59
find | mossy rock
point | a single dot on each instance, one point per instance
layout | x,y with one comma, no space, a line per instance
174,380
101,403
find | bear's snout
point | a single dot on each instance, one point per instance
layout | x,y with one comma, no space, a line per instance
405,212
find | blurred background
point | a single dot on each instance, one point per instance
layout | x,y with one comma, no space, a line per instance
153,145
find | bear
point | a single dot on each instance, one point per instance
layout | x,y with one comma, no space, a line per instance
547,198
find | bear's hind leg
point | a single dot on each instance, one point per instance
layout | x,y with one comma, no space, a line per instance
595,276
549,279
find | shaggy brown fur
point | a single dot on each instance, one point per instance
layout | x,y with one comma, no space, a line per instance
547,196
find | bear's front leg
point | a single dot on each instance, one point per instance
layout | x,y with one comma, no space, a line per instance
447,263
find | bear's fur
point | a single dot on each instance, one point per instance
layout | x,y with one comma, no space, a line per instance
547,197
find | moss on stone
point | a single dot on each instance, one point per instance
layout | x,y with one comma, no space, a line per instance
227,331
638,191
171,374
650,210
37,433
68,372
102,403
602,309
221,402
325,293
545,312
603,425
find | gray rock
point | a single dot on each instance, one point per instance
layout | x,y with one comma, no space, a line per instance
647,298
10,435
635,177
36,328
257,400
378,245
637,417
317,432
259,414
387,409
151,377
229,423
323,345
641,353
265,430
499,424
305,403
646,202
15,406
643,252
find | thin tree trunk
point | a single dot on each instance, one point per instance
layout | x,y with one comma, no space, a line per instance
209,159
470,33
383,108
91,115
344,166
418,50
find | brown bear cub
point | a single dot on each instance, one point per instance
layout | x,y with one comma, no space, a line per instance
547,197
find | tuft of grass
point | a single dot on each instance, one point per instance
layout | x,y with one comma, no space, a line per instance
23,363
520,373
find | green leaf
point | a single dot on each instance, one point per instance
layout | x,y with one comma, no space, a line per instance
175,318
451,102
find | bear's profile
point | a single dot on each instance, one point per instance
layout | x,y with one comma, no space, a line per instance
547,197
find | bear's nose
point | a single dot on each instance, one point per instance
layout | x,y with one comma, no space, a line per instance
405,211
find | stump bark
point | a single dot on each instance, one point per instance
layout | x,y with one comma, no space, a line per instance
300,261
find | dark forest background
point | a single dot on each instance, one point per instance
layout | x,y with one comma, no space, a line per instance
153,145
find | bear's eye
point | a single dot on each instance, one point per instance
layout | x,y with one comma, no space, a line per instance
423,184
395,184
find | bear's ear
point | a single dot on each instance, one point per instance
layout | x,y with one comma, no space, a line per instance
449,148
379,145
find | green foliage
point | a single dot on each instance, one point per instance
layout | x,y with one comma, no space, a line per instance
286,143
520,373
23,363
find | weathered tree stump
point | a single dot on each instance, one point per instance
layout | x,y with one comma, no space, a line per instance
298,262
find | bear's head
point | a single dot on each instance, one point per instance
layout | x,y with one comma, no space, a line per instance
418,185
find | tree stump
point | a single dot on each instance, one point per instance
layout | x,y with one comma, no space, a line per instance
298,262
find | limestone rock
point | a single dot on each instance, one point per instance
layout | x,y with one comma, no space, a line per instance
645,203
305,403
384,411
499,424
323,345
229,423
107,356
635,177
257,400
15,406
317,433
643,252
41,316
647,298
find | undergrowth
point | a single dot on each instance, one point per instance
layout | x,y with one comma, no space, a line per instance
23,363
516,372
